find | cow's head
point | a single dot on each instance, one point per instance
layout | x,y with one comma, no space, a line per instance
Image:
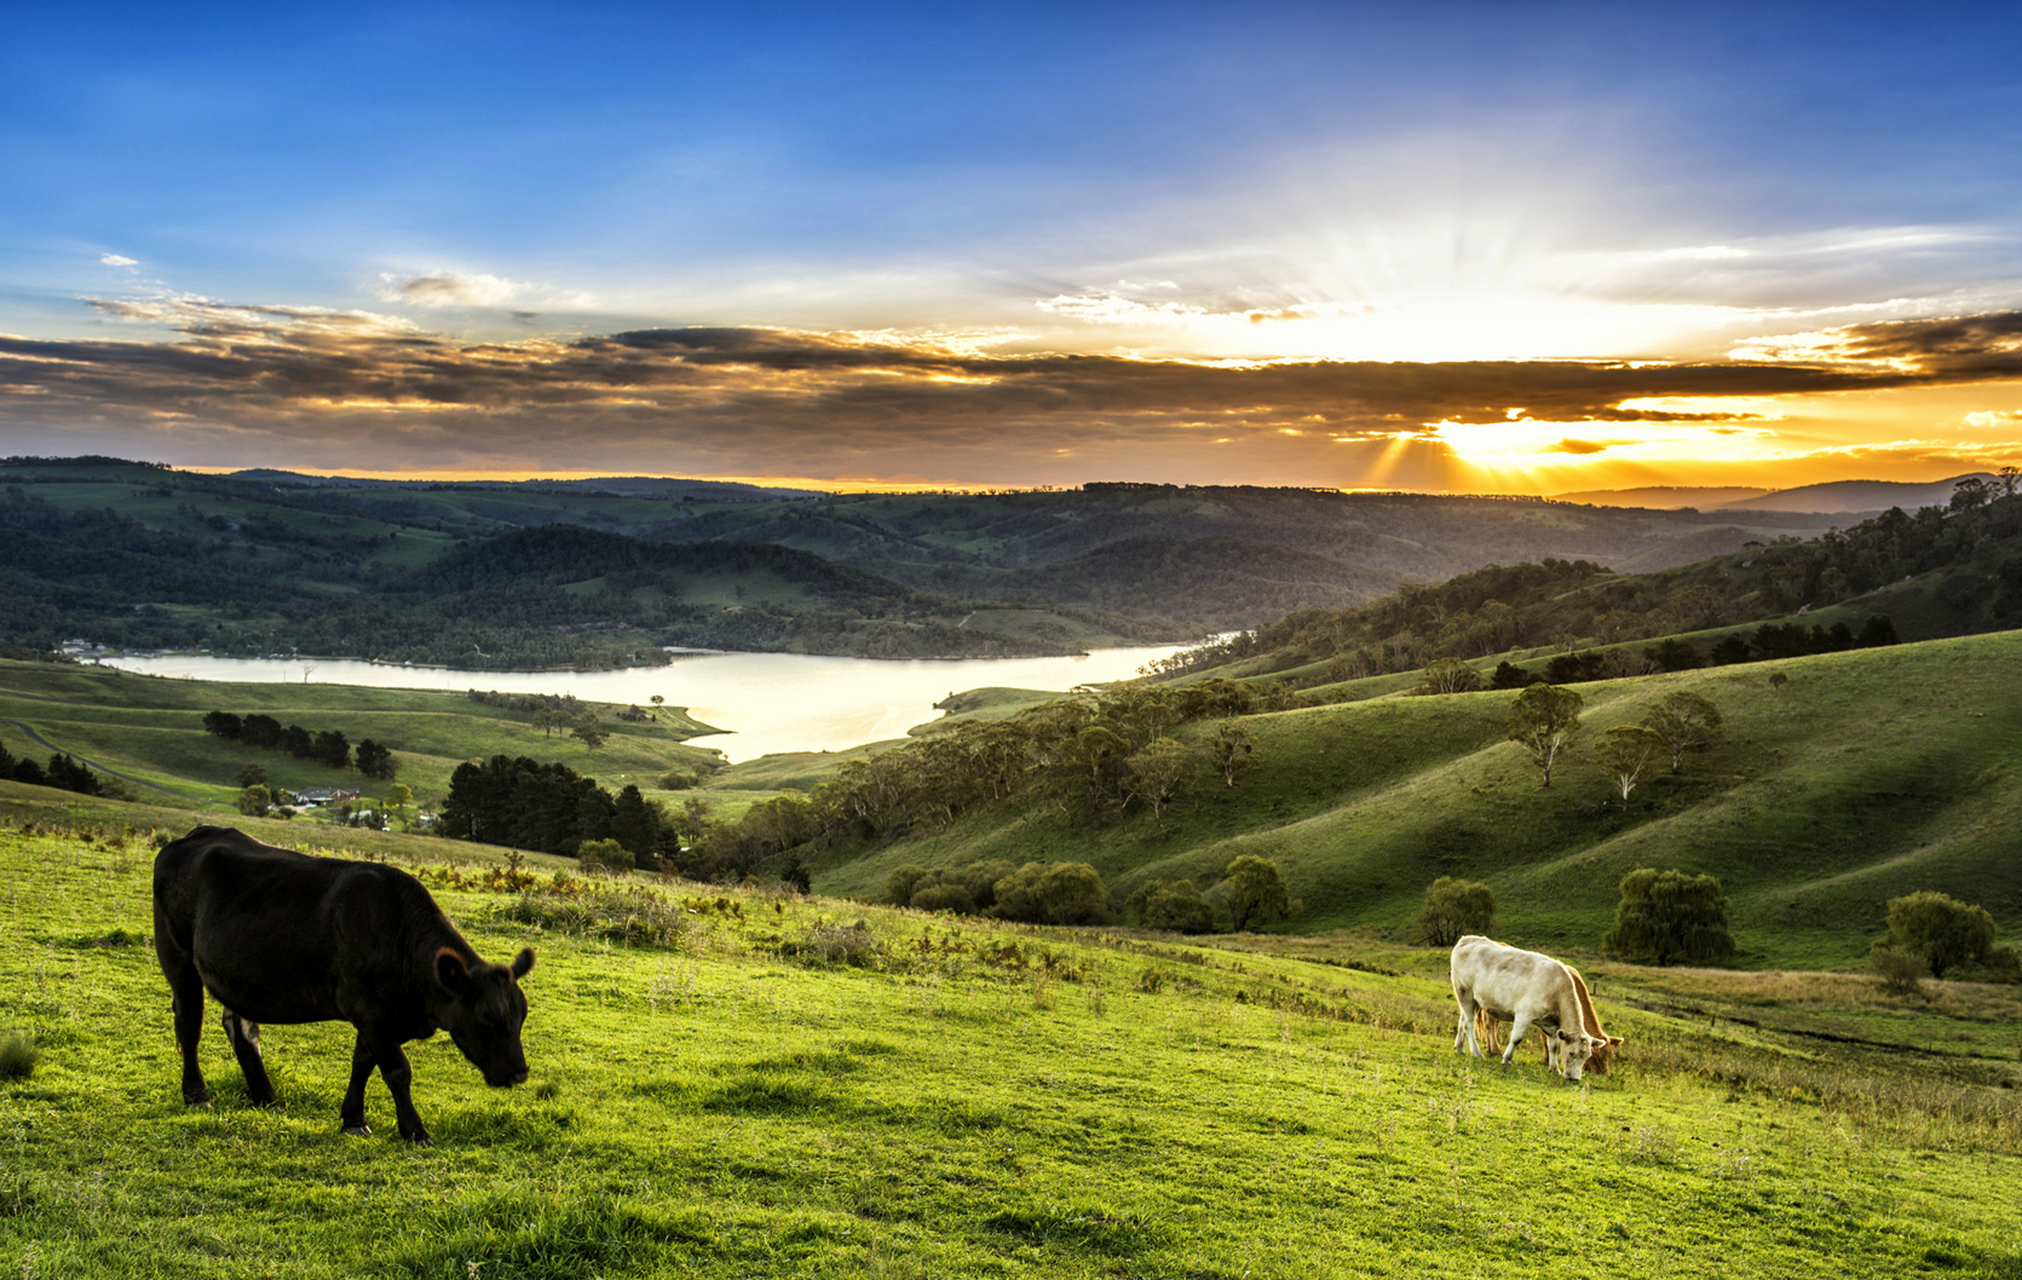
482,1012
1574,1046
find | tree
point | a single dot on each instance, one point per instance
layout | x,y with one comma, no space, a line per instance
252,774
1542,720
1777,680
1256,892
1177,907
1667,916
224,724
1686,722
254,801
1232,749
1625,753
1943,930
72,775
375,760
1161,773
1453,909
591,730
635,823
1508,675
1448,675
899,885
333,749
398,797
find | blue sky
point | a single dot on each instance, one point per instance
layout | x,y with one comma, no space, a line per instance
238,193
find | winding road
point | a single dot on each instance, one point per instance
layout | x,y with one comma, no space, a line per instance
139,782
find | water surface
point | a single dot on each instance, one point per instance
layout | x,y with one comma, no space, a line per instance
766,702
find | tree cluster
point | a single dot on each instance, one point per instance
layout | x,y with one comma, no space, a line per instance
328,747
62,772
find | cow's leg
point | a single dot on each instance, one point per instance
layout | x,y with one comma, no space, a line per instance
1463,1035
187,992
245,1038
393,1069
352,1116
1516,1033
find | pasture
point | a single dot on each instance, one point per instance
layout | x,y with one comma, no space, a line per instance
743,1083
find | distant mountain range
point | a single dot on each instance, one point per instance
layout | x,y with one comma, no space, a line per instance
667,488
1838,497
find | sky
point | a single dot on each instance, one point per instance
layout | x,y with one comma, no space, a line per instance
1497,247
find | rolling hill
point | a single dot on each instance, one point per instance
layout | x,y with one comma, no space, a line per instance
1867,775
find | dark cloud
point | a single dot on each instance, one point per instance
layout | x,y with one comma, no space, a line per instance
764,401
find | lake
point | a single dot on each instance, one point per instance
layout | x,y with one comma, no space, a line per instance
766,702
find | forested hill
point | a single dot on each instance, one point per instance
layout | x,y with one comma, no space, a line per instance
143,557
1943,571
1215,556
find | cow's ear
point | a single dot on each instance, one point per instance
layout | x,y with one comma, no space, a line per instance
523,963
1613,1041
451,972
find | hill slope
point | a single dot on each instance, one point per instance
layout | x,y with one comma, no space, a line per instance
1869,775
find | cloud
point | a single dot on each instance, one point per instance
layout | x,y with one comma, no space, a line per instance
118,260
293,383
445,290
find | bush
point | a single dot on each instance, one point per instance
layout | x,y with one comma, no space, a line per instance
854,946
608,854
1178,907
677,780
18,1056
899,885
1453,909
944,895
1943,930
1256,892
1900,970
1667,917
1053,893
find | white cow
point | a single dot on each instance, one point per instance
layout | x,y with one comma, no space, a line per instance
1524,989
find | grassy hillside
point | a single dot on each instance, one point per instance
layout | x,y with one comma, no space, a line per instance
803,1088
151,730
1868,775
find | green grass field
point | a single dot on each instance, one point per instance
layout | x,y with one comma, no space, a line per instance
972,1100
152,729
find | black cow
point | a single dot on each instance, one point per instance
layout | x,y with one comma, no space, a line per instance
279,936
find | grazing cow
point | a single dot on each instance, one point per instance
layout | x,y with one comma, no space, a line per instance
1524,989
279,936
1604,1044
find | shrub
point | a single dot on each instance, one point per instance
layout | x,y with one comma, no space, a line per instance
677,780
1256,892
1900,970
944,895
1665,917
18,1056
1178,907
980,878
899,885
1053,893
852,945
1943,930
632,916
608,854
1453,909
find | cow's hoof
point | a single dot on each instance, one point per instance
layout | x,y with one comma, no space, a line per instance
419,1138
197,1099
359,1130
